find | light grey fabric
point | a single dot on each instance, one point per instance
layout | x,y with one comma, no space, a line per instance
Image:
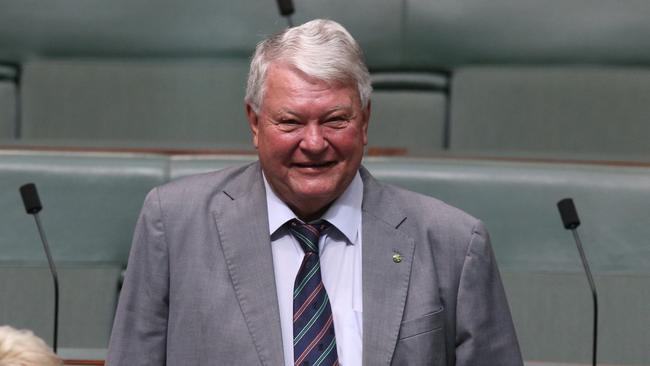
199,286
600,112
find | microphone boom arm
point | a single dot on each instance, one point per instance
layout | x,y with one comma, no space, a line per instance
594,294
571,222
33,206
55,278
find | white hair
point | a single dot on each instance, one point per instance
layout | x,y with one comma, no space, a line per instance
23,348
321,49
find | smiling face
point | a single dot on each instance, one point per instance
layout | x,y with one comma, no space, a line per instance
310,137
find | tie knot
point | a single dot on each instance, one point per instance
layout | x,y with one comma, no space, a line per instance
308,234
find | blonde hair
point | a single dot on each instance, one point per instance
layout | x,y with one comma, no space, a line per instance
321,48
24,348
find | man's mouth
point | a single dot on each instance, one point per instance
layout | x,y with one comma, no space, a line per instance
315,165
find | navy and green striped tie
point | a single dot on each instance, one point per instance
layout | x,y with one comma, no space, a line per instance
314,343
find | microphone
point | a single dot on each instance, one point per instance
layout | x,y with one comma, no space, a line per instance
286,10
568,214
571,222
33,206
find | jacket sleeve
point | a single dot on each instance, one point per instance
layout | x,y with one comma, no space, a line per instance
485,334
139,333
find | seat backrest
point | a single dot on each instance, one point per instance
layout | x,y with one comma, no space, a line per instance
90,204
171,104
409,112
564,111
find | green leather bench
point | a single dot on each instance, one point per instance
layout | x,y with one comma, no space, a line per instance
91,203
165,104
597,113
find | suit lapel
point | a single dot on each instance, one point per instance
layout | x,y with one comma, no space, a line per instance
386,261
242,222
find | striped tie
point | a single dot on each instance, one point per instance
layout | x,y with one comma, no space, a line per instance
314,343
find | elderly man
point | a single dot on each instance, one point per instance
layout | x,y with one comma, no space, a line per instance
302,258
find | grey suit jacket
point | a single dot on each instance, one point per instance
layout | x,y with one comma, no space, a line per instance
200,289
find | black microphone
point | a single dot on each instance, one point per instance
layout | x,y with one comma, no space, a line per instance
30,199
286,10
568,214
571,222
33,207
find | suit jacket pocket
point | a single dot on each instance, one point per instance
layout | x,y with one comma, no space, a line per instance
421,341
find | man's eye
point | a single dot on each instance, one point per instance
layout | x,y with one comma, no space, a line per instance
288,124
337,122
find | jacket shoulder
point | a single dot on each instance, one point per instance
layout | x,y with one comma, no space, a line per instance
205,189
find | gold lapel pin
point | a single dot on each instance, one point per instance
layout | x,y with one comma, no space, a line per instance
397,258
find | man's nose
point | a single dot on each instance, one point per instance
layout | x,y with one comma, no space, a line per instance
313,140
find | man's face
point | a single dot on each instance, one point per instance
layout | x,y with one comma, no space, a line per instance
310,137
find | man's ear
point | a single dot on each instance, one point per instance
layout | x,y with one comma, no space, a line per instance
253,122
365,115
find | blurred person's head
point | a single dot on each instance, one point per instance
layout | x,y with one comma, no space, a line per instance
24,348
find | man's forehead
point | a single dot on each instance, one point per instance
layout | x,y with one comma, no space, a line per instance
284,70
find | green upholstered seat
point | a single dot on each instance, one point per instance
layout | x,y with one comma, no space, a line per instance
402,35
598,113
193,104
91,202
409,112
457,33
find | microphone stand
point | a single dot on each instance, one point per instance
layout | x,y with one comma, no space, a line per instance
571,222
33,206
55,279
594,294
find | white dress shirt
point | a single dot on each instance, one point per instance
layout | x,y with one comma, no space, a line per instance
340,260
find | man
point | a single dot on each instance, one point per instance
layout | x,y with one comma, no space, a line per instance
304,257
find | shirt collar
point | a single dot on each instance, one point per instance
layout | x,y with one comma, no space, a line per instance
344,213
